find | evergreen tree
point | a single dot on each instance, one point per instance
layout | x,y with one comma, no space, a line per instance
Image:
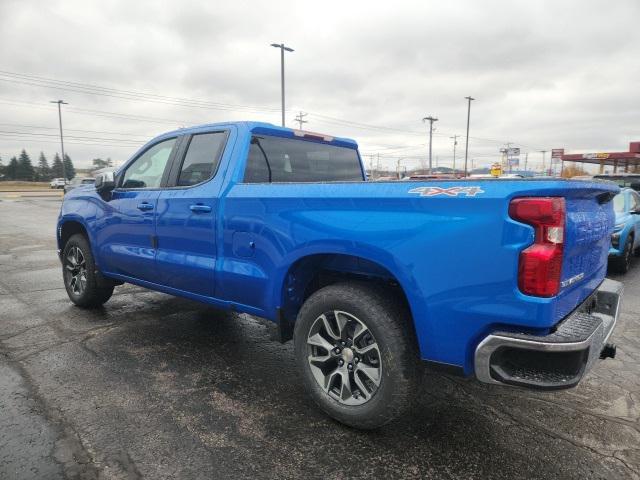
12,169
25,168
1,169
43,171
68,167
56,167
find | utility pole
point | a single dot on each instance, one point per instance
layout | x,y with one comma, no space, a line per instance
526,157
282,48
466,147
506,164
431,120
543,152
61,102
299,119
455,142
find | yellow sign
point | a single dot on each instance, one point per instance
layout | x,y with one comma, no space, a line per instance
496,169
595,156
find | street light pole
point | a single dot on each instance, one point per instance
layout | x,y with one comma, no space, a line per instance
61,102
466,147
431,120
282,48
543,152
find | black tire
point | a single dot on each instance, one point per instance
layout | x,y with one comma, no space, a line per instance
388,322
86,290
622,263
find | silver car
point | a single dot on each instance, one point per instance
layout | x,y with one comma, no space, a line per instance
77,182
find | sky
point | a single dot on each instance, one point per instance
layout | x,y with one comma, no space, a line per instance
544,74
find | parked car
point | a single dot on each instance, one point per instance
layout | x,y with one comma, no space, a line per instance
625,239
623,180
430,176
78,182
57,183
503,280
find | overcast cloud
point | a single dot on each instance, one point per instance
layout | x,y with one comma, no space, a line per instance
546,74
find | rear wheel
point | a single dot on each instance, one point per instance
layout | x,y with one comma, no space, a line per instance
622,263
356,354
80,276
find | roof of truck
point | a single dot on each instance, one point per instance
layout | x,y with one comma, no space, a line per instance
266,129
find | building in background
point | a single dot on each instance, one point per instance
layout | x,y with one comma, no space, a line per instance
625,161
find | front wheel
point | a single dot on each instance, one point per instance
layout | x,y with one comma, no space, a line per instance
80,276
356,354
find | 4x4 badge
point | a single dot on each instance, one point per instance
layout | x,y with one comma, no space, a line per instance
447,192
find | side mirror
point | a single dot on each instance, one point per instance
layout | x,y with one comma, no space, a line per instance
105,182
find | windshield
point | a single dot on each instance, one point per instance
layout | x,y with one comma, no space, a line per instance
618,203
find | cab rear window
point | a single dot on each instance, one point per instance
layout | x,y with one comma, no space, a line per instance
275,159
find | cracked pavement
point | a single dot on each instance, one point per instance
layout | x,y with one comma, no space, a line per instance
153,386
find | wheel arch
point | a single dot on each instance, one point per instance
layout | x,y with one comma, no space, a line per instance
309,273
67,227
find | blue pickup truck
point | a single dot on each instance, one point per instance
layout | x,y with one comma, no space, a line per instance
500,279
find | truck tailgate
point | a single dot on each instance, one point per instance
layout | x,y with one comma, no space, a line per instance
589,222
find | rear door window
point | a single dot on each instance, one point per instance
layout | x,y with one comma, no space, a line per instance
202,158
276,159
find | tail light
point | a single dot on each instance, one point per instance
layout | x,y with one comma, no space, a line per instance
540,264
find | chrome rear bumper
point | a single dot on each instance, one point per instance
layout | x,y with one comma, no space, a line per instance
559,359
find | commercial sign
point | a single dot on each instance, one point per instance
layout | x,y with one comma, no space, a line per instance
513,152
595,156
496,169
557,152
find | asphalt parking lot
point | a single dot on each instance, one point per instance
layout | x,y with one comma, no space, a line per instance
157,387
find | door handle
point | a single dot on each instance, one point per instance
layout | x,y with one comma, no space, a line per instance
200,208
145,206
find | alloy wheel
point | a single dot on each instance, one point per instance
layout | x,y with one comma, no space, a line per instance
75,270
344,357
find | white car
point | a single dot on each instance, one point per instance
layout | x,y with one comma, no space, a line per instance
57,183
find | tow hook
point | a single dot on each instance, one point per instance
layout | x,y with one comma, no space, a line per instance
608,351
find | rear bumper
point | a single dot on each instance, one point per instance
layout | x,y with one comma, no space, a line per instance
557,360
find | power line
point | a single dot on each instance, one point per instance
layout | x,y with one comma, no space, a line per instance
79,87
42,127
16,140
36,134
132,95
